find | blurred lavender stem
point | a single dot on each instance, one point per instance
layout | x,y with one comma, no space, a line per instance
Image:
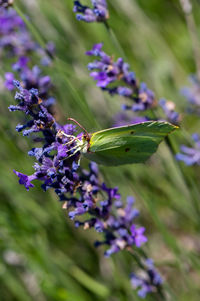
187,9
31,27
114,39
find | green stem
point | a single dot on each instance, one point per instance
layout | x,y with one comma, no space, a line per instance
114,40
32,29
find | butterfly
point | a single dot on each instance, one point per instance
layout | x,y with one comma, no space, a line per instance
123,145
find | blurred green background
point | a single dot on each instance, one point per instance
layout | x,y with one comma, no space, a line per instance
43,257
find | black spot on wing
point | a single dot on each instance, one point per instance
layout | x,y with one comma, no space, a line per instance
132,132
127,149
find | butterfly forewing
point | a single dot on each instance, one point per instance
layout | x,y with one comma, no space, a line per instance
127,144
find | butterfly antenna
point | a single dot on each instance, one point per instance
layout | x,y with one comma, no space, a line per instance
75,121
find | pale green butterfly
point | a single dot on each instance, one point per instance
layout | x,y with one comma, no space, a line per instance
122,145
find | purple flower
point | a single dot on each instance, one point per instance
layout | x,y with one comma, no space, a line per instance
13,34
190,155
116,78
15,41
9,21
118,223
33,78
21,64
96,51
148,282
169,110
9,78
25,180
144,287
155,277
6,3
192,94
97,13
138,236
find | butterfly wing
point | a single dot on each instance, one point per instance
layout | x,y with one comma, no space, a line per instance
127,144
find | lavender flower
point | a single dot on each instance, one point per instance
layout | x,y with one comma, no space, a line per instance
115,78
31,78
120,232
9,78
98,12
6,3
25,180
80,190
14,37
169,110
15,40
190,155
146,282
9,21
